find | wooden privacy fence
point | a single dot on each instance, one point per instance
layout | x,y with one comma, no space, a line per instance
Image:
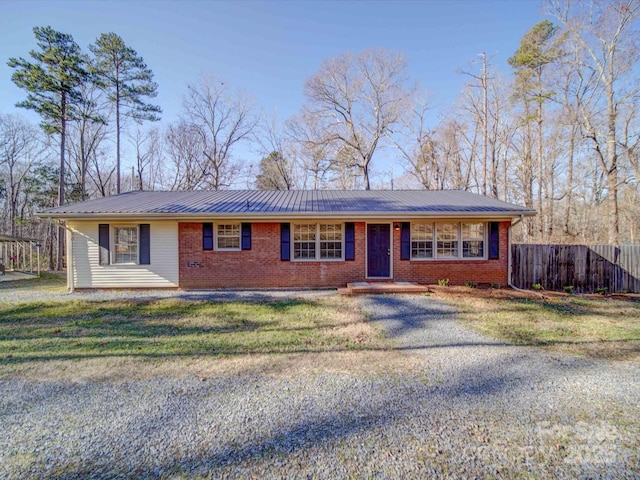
585,267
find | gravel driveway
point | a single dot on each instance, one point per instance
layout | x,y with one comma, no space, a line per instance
473,408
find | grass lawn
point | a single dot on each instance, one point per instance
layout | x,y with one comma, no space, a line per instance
46,282
74,338
77,338
590,325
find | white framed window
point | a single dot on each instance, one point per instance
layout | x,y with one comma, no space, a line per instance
330,241
473,235
422,240
227,236
318,241
304,241
448,240
125,240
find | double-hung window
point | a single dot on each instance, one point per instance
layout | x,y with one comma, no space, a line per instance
422,240
450,240
318,241
330,241
125,240
473,240
228,236
447,237
304,241
124,244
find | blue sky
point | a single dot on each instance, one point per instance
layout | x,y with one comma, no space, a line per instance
269,49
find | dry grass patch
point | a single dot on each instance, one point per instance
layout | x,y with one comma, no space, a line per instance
590,325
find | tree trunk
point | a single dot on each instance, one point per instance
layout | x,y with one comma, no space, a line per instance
541,177
50,242
485,121
612,162
61,180
567,213
365,176
83,165
118,138
13,197
528,173
612,186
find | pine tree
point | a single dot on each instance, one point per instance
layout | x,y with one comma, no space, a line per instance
538,48
52,83
127,80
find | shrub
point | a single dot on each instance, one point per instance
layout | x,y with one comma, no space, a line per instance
470,284
568,289
443,282
602,290
536,286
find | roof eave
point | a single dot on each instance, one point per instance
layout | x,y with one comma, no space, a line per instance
287,215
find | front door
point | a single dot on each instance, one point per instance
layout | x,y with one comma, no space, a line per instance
378,250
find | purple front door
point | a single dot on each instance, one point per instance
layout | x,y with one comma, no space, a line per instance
378,250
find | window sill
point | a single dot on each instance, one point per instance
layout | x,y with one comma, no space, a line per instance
316,260
449,259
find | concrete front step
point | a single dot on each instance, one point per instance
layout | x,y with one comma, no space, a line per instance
359,288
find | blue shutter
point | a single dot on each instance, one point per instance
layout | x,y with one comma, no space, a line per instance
285,242
405,241
145,244
246,236
494,240
349,241
207,236
103,243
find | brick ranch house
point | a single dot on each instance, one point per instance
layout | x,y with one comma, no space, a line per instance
263,239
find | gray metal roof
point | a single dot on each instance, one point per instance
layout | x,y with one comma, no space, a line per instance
291,204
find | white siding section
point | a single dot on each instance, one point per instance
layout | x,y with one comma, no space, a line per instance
162,272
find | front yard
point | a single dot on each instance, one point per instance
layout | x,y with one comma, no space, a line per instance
298,385
594,326
78,336
74,336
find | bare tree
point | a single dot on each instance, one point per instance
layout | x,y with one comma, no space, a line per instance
358,101
315,158
417,148
220,120
147,145
606,33
276,168
21,147
184,150
479,108
101,172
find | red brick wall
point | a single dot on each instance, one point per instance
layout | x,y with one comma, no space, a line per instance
458,271
261,266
